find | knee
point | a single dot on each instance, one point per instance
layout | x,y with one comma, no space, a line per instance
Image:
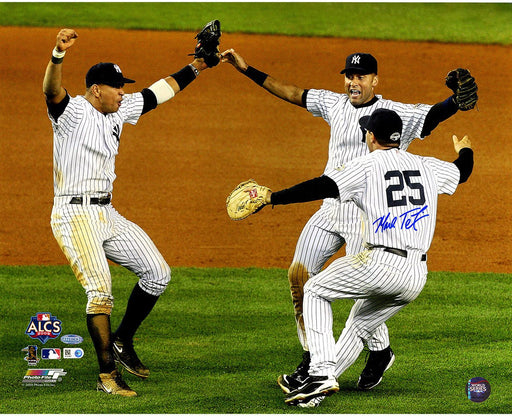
157,281
359,329
310,289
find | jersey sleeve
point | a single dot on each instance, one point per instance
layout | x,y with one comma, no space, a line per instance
320,102
131,108
447,175
56,110
350,179
413,118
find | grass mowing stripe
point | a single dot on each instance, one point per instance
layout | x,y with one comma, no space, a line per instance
443,22
218,338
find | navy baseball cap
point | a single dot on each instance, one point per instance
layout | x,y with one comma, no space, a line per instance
360,63
106,73
385,124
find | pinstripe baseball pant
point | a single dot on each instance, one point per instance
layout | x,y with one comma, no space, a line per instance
90,234
381,283
333,225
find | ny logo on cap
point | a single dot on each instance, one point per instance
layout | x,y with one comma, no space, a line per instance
116,67
356,59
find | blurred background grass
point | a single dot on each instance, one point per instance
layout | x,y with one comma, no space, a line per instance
440,22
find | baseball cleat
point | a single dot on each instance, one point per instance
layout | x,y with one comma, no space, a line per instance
125,355
314,402
113,383
293,381
378,362
290,382
313,386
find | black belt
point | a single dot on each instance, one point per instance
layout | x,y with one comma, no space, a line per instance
104,200
397,251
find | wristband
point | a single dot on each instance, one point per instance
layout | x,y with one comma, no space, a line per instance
184,76
257,76
196,71
57,56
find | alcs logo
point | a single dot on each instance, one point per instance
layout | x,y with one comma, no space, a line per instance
44,326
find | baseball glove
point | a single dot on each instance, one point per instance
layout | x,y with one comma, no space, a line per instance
207,43
464,86
246,199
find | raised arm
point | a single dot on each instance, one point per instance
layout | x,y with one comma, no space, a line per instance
52,83
286,92
465,160
206,55
465,98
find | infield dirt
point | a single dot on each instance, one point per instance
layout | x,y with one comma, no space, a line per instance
176,167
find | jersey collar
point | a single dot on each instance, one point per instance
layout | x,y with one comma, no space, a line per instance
368,104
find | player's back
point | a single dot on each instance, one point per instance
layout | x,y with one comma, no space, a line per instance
400,200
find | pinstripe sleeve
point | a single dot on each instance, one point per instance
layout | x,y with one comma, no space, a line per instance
413,117
446,174
69,120
320,102
350,178
131,107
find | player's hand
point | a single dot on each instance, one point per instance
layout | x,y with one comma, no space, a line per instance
65,39
462,143
233,58
199,64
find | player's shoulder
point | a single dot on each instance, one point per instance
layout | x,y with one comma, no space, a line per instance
435,163
400,107
323,94
132,96
135,99
363,162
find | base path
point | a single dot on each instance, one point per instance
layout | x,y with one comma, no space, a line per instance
176,167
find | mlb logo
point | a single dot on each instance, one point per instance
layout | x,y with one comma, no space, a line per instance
43,316
50,354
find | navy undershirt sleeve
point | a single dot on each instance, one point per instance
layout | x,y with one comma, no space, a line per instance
465,163
438,113
311,190
304,98
150,101
56,110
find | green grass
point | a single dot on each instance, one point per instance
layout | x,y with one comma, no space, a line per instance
442,22
218,338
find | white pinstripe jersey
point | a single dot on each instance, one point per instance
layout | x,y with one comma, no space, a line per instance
397,192
85,145
347,138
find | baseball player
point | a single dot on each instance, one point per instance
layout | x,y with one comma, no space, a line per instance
86,138
336,223
397,194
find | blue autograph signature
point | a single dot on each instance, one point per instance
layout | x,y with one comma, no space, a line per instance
407,220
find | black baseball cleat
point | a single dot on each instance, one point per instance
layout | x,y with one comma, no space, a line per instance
312,387
289,382
125,355
378,362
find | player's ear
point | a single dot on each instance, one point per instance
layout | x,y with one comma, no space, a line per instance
95,89
375,81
